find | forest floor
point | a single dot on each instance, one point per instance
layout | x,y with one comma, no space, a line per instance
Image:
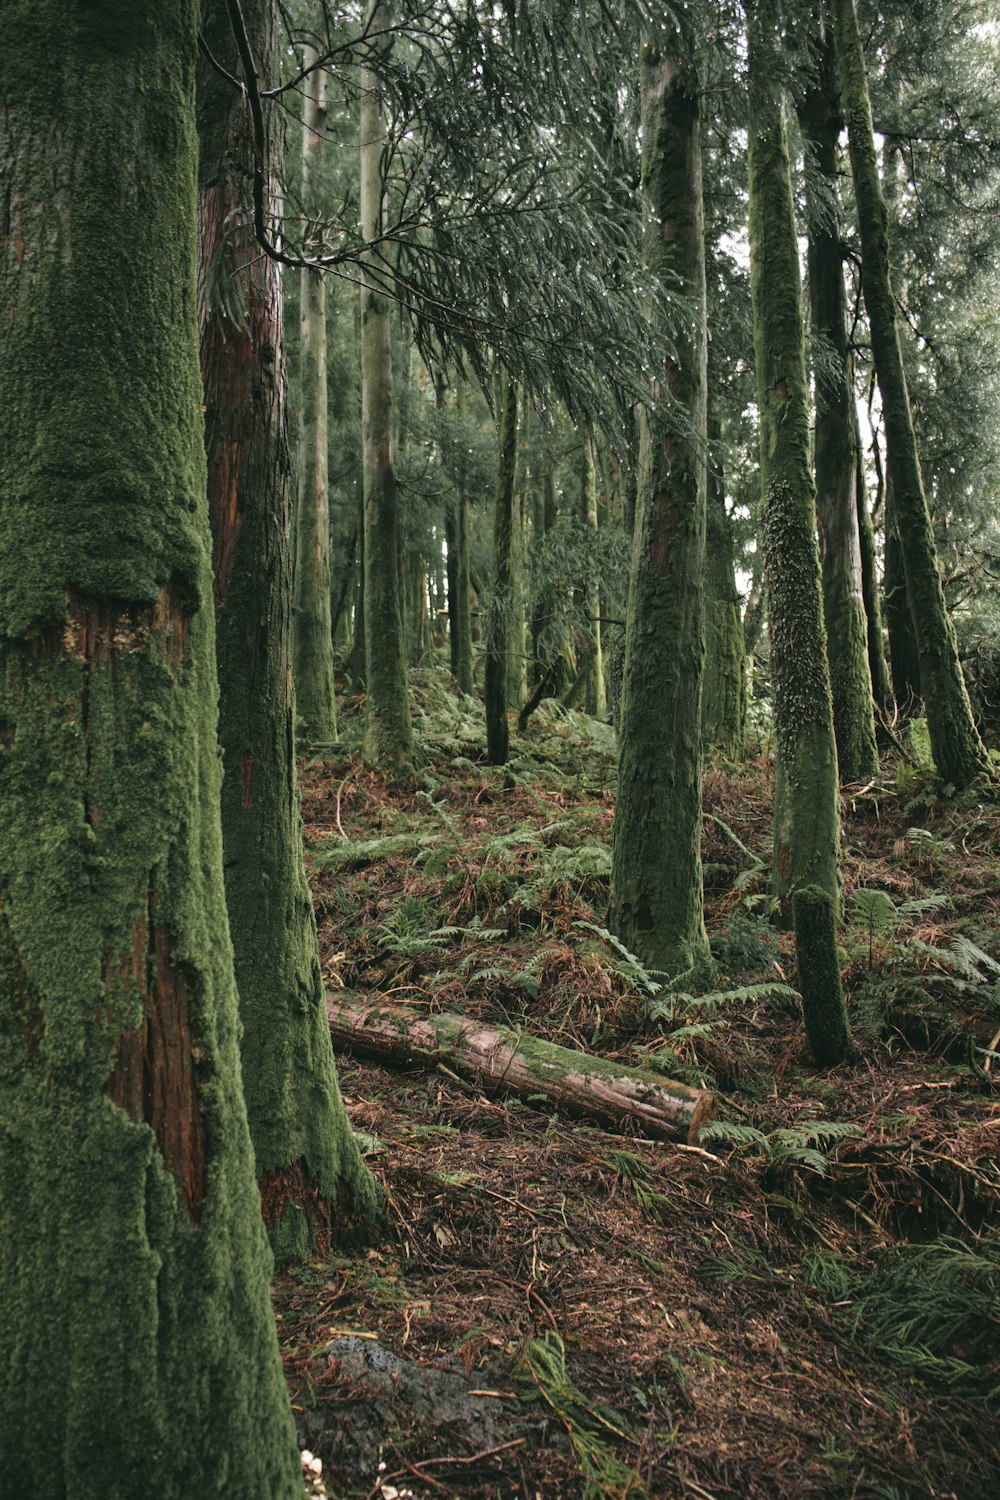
807,1304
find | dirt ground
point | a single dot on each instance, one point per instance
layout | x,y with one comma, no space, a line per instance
555,1310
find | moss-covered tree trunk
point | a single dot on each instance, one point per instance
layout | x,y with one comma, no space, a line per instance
312,1179
877,668
131,1213
723,696
656,901
500,607
312,635
594,700
904,653
388,735
958,751
835,436
517,669
806,799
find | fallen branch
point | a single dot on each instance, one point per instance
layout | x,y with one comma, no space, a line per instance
575,1081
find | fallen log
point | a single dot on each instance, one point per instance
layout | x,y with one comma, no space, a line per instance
582,1084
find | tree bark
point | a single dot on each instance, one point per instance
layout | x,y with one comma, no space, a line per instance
388,742
878,671
723,698
806,798
656,900
575,1081
836,436
312,1179
131,1211
312,633
958,752
501,596
595,701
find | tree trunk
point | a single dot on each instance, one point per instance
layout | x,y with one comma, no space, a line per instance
388,735
723,698
312,634
313,1181
595,701
881,689
656,900
517,669
958,751
806,798
904,654
575,1081
501,601
835,437
131,1208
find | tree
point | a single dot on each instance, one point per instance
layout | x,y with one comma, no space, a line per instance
312,1179
958,751
312,638
656,900
130,1208
388,735
806,798
836,434
501,596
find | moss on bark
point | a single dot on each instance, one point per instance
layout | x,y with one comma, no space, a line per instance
807,809
501,604
835,438
823,1008
723,696
132,1214
298,1124
656,902
958,751
312,636
388,742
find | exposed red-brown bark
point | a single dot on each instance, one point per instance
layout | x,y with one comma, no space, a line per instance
154,1078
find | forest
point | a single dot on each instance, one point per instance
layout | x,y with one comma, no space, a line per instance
499,750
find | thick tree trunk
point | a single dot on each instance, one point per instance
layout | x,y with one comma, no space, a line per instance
958,751
313,1181
806,799
501,596
312,634
131,1213
388,735
656,901
723,697
574,1081
835,438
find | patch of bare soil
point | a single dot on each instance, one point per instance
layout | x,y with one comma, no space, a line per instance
553,1310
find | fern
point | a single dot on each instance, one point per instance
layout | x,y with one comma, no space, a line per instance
630,968
935,1310
798,1144
349,854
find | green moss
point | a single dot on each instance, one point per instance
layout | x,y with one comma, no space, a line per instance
306,1155
656,901
806,815
823,1008
134,1225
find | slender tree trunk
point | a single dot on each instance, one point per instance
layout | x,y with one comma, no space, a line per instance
723,699
388,736
312,635
806,799
904,654
359,657
313,1181
131,1212
656,901
835,437
501,602
805,872
595,701
881,689
958,751
517,675
461,615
